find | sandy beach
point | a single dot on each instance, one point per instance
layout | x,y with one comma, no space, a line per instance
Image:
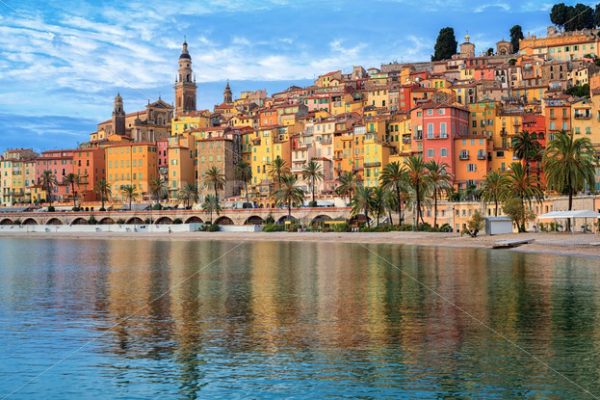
550,243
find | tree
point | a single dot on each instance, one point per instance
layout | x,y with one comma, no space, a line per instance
439,182
347,185
559,14
494,189
362,201
569,165
278,169
158,187
526,148
243,171
390,203
378,202
445,45
48,182
523,187
211,205
597,15
514,208
189,194
417,180
312,173
475,224
289,193
516,34
579,90
72,179
394,177
489,52
215,179
129,193
104,190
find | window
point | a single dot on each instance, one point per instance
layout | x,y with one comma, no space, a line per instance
444,152
430,152
443,132
430,131
471,167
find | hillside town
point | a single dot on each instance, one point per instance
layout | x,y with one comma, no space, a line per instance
473,115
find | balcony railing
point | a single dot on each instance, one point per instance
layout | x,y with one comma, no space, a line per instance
583,116
372,164
481,156
464,156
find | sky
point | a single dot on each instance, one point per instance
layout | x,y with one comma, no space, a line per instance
62,62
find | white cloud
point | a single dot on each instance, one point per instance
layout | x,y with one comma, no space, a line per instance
485,7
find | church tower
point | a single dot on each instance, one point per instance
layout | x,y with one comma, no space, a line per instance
185,85
227,95
118,116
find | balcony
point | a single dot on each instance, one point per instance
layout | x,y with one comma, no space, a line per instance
406,140
583,116
372,164
463,156
481,156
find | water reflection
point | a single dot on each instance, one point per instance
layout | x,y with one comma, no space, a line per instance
312,319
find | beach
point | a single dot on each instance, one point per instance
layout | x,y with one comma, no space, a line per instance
549,243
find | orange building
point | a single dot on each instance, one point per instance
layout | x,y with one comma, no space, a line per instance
471,160
131,164
90,165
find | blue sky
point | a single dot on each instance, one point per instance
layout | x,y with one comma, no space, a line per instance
62,62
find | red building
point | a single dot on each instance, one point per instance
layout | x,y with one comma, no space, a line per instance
90,166
60,163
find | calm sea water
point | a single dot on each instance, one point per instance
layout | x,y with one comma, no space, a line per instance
158,319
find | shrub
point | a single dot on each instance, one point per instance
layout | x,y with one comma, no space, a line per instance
269,219
76,209
120,221
209,228
177,221
147,221
17,221
102,209
340,227
157,207
474,224
445,228
272,227
92,220
312,203
51,209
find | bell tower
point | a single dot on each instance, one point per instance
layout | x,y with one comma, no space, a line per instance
118,116
227,95
185,84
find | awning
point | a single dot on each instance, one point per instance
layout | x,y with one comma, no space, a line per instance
570,214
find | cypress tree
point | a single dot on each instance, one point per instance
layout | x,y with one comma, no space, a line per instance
445,46
516,34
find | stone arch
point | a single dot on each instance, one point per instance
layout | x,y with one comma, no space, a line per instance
54,221
286,218
164,221
254,220
134,221
6,221
320,219
107,221
223,221
194,220
79,221
30,221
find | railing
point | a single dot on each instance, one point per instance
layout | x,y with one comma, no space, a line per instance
372,164
481,156
464,156
583,116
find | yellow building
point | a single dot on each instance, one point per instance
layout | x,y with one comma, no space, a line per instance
376,157
267,145
581,119
17,175
182,162
190,121
131,164
482,117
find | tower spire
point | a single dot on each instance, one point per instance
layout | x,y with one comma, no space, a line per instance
185,86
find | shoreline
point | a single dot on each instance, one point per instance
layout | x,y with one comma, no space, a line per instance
544,243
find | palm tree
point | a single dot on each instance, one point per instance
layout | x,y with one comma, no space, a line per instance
494,188
417,179
129,193
347,185
362,201
189,194
103,189
312,173
523,187
569,165
395,178
72,179
210,205
526,148
278,169
288,193
243,171
439,182
378,202
215,179
158,187
48,182
390,203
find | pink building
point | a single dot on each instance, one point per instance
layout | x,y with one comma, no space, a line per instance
60,163
435,126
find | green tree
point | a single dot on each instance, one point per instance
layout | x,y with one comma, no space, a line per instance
522,187
278,169
158,188
515,209
289,193
489,52
394,178
347,183
189,194
130,193
439,182
569,165
516,34
579,90
417,179
475,224
72,179
104,190
559,14
362,201
48,182
211,205
213,178
312,173
526,148
445,45
494,189
243,171
378,202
